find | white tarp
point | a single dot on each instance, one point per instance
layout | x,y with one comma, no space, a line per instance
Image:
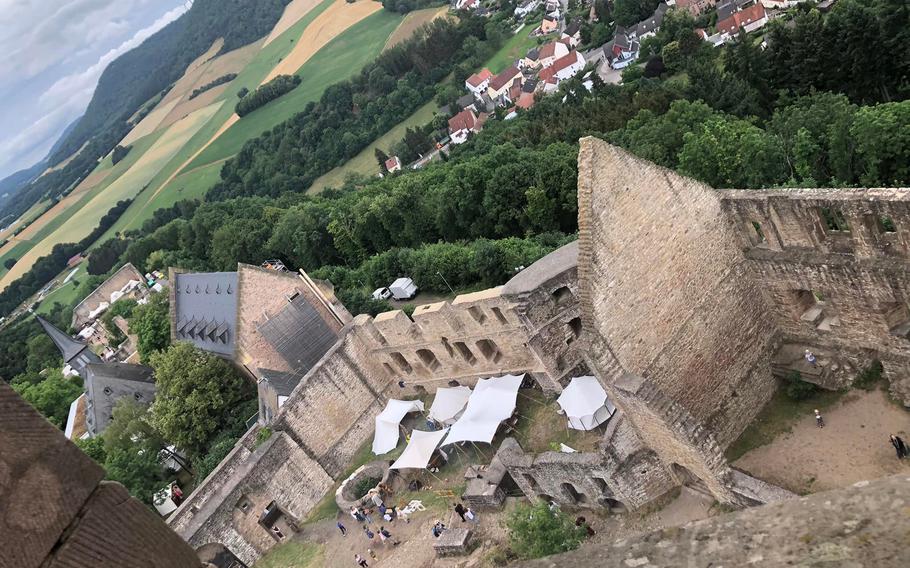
386,437
492,401
585,403
420,449
448,404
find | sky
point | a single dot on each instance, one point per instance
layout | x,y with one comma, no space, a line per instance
53,54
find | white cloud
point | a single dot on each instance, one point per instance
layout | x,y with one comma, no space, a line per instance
67,97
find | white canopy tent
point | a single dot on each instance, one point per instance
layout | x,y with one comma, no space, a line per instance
585,403
448,404
492,401
386,437
420,449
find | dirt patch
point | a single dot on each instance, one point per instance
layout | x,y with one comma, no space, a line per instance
91,181
413,21
324,28
292,14
853,446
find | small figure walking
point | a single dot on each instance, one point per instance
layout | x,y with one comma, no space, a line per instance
385,535
899,446
342,528
819,421
361,561
369,534
372,554
810,357
904,449
459,508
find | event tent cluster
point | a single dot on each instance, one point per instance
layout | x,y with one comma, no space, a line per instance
475,416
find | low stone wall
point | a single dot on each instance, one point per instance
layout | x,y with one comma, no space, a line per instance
863,525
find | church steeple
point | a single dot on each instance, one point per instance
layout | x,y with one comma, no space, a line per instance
70,348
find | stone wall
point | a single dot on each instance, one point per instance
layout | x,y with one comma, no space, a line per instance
670,310
863,525
833,266
57,511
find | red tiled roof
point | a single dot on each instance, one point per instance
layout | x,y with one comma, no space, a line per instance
464,120
751,14
504,78
392,163
477,78
565,61
525,101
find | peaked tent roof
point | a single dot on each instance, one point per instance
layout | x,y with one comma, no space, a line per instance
420,449
68,346
448,403
492,401
585,403
386,436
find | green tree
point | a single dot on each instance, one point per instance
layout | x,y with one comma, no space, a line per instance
151,323
93,448
196,392
52,396
882,137
727,152
535,531
42,354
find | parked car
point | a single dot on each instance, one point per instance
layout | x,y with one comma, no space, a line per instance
382,294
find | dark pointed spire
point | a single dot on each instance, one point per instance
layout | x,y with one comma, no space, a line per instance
68,346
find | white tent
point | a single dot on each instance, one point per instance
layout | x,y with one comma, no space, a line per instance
448,404
492,401
386,437
420,449
585,403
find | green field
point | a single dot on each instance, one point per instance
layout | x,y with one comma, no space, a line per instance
16,252
341,58
365,162
517,46
65,294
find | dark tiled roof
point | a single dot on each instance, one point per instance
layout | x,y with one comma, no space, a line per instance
573,28
206,311
299,334
282,383
652,23
107,383
529,86
67,346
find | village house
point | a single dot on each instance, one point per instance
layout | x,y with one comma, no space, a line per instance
572,34
648,27
393,164
563,68
478,82
127,282
749,19
622,50
548,25
552,7
552,51
500,84
526,7
462,124
531,60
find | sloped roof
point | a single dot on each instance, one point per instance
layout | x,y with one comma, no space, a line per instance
651,24
282,383
504,78
67,346
299,335
477,78
107,383
573,28
525,101
464,120
206,310
751,14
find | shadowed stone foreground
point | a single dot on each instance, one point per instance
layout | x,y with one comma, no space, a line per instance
864,525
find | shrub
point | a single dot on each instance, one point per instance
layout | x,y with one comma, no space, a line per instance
365,485
868,378
796,388
266,93
535,531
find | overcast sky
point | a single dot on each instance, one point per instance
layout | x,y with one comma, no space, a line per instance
53,53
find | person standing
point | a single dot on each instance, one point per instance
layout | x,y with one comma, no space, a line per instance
372,554
819,421
459,508
386,535
368,533
342,528
899,446
361,561
810,357
471,515
904,449
366,515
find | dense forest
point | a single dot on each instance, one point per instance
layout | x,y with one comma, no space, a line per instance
264,94
405,6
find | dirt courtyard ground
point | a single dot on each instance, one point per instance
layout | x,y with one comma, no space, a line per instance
416,541
853,446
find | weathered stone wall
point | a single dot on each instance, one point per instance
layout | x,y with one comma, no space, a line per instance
669,309
833,266
863,525
57,512
623,474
